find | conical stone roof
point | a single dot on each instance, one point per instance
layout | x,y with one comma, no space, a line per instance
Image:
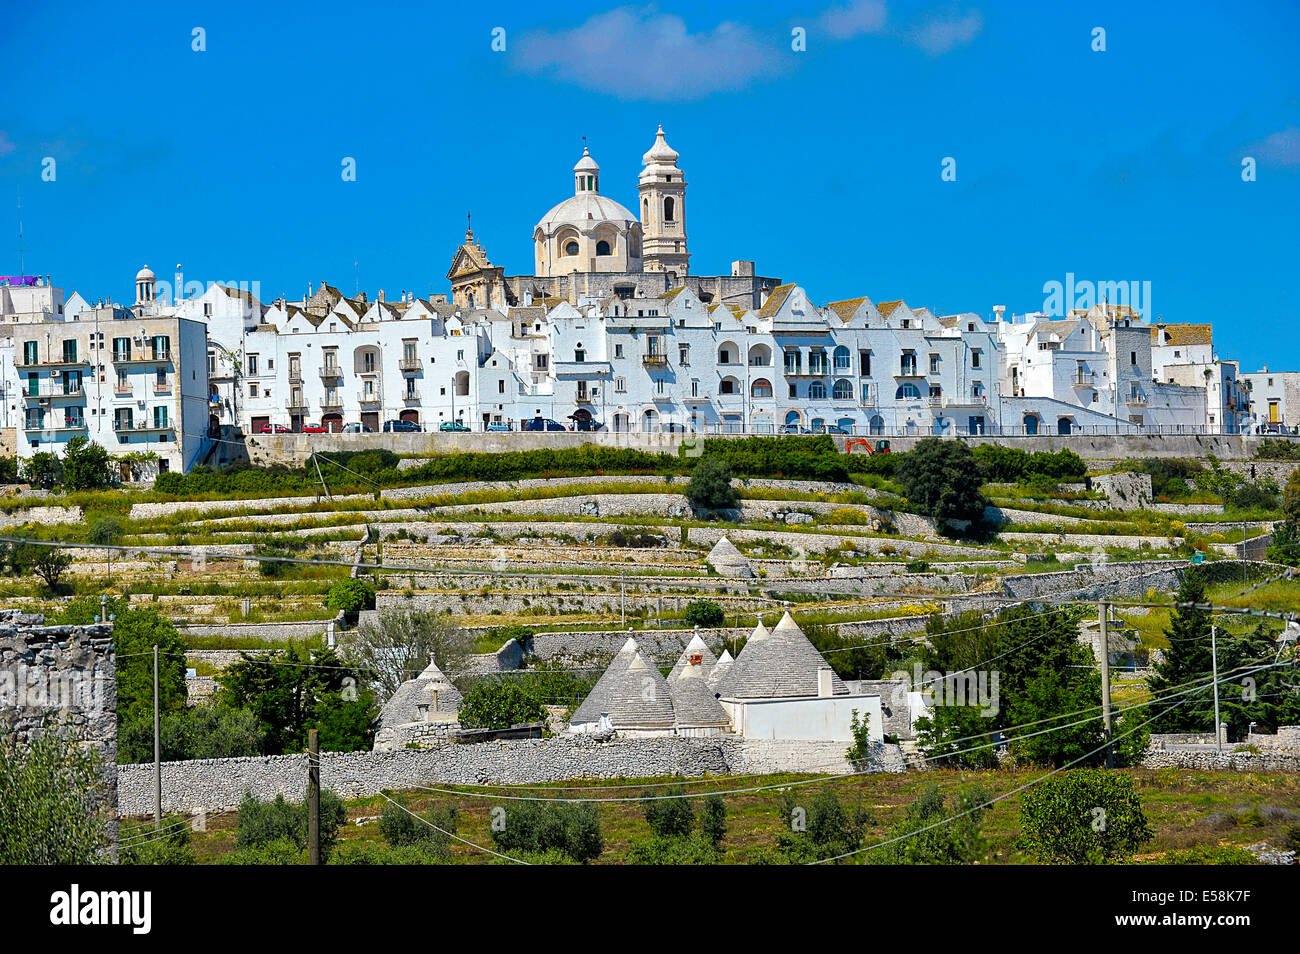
632,695
728,561
694,647
783,664
720,669
694,704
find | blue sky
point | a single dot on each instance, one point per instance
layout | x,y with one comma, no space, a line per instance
822,165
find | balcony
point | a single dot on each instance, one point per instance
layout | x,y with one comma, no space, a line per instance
298,404
908,371
153,357
411,396
58,427
123,390
162,387
65,362
331,404
295,375
331,374
128,427
1136,400
582,397
654,360
410,365
369,400
1083,379
53,394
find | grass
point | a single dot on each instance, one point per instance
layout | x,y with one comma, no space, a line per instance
1186,808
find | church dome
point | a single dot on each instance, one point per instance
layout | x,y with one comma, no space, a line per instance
144,275
586,163
585,211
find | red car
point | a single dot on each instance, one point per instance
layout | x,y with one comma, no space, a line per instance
315,429
275,429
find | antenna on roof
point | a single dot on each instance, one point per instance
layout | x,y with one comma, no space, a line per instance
21,264
356,279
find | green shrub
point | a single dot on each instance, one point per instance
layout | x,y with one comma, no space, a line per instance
401,828
712,823
350,596
263,824
1083,816
704,614
710,485
663,850
1208,855
48,815
373,853
930,834
668,814
539,827
279,851
144,845
499,704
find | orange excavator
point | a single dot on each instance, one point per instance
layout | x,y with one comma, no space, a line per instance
880,447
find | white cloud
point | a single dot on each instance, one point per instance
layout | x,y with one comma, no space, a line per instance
1282,148
854,19
6,144
937,35
645,54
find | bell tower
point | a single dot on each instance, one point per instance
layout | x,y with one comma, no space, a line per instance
662,191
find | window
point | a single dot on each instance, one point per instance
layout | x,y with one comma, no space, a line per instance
618,351
121,349
207,309
160,416
975,357
409,351
683,354
843,360
934,364
794,390
908,392
907,365
579,355
817,363
602,248
761,388
252,389
659,386
69,350
864,363
669,209
1133,357
501,385
695,387
843,390
793,361
724,356
620,385
31,352
570,248
252,364
868,393
817,391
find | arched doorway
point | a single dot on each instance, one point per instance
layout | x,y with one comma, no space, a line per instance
332,422
1063,425
410,415
621,424
1031,424
762,423
650,421
877,424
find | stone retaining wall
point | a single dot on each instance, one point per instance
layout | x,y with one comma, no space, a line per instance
219,784
1226,761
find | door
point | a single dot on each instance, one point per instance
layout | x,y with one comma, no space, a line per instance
410,415
370,419
258,423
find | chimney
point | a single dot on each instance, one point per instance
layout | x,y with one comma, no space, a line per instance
309,289
998,311
825,687
381,294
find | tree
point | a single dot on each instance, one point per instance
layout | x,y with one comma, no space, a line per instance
49,808
670,817
712,823
710,485
43,469
294,689
1186,661
200,732
85,466
819,827
540,827
499,704
942,480
47,562
136,630
704,614
1083,816
104,531
930,834
402,827
350,596
401,643
1291,498
957,736
265,823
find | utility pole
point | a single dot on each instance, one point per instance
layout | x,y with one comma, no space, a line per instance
157,747
1214,668
313,797
1245,554
1103,614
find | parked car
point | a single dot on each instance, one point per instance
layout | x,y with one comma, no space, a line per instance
452,426
833,429
794,429
275,429
401,427
495,427
356,427
587,424
543,424
315,429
